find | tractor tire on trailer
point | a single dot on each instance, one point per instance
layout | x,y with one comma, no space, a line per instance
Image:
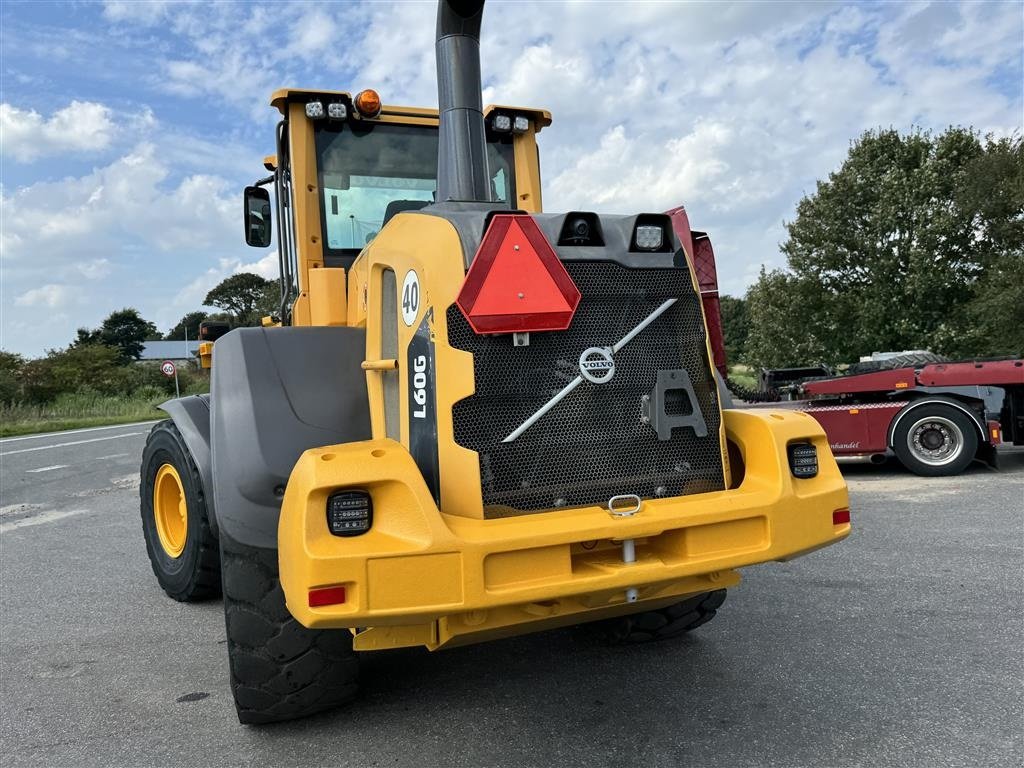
660,624
279,669
915,360
935,440
181,547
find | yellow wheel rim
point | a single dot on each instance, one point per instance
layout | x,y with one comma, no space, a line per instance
170,510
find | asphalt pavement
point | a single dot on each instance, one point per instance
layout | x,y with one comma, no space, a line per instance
903,645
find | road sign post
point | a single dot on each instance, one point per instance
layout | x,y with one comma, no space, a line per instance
168,369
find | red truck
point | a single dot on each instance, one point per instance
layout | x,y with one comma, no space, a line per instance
936,417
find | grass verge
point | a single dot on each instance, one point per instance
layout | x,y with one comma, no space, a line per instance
75,411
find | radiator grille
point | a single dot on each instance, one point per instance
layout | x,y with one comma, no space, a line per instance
592,445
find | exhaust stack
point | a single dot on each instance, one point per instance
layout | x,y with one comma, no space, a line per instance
462,148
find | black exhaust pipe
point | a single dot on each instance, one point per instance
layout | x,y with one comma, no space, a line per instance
462,149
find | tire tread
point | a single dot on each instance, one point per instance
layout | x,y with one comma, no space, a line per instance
204,582
660,624
279,669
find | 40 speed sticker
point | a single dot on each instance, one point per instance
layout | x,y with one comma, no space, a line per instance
410,298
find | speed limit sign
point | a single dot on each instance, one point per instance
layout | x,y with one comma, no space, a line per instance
167,368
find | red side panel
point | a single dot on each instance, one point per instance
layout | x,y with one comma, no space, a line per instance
880,381
854,429
700,254
995,374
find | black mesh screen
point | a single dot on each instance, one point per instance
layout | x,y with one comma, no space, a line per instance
593,444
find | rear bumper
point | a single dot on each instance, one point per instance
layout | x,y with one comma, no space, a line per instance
418,565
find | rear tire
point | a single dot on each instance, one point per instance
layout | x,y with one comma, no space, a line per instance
279,669
183,552
659,624
935,440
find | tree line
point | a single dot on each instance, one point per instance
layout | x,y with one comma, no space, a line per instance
915,242
103,360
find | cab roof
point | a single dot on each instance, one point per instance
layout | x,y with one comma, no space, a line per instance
283,96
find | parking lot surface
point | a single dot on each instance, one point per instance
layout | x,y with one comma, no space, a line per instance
900,646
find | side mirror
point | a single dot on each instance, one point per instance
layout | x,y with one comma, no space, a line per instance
257,217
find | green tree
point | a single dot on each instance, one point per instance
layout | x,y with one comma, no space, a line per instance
126,331
895,250
190,324
781,335
11,366
92,366
735,327
269,303
239,295
86,336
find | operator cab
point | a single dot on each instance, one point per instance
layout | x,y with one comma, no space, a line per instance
346,165
368,172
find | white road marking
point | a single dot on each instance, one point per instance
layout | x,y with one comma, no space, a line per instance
73,442
75,431
47,469
13,509
111,456
42,517
131,482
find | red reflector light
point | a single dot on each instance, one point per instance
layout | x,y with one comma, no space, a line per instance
516,282
326,596
841,517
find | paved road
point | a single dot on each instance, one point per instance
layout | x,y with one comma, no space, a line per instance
900,646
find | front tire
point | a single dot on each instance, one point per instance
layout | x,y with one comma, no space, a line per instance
660,624
935,440
279,669
181,547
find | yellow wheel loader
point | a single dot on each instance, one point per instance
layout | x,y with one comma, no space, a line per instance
470,419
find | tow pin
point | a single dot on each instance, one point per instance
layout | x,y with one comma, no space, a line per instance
628,545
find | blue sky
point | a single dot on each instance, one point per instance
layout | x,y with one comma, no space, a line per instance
128,129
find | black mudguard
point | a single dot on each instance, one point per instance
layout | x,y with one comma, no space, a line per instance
191,415
277,392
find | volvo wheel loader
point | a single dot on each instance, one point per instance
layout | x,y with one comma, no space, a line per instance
470,419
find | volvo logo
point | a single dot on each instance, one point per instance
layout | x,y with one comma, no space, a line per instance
597,365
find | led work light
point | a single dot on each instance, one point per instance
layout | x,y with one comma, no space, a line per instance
349,513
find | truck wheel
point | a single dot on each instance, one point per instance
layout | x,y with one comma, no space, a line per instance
181,547
660,624
935,440
279,669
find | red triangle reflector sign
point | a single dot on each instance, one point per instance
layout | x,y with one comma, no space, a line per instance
516,282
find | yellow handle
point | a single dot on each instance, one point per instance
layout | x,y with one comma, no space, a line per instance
380,365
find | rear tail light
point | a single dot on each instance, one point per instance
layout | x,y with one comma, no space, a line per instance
349,513
803,460
326,596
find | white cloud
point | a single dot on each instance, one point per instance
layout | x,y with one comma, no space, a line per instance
95,269
139,11
50,295
127,219
313,32
82,126
734,110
